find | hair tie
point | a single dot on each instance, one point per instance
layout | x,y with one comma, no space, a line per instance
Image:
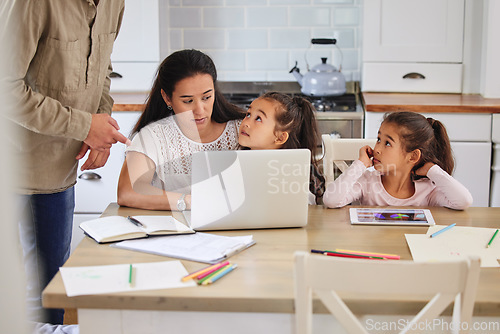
431,121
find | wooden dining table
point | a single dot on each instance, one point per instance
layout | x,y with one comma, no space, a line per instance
263,282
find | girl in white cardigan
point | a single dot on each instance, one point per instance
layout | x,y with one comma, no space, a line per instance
412,162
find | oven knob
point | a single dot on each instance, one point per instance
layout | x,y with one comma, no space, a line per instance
335,135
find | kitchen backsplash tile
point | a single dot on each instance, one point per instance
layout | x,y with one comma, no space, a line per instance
202,2
310,16
247,39
267,16
289,38
185,18
204,39
261,40
346,16
231,17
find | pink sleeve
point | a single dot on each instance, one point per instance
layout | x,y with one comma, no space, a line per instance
346,188
448,192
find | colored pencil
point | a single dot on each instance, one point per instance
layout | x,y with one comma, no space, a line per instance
340,254
204,270
222,273
386,256
218,271
442,230
491,240
130,272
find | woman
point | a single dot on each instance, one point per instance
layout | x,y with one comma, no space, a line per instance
184,114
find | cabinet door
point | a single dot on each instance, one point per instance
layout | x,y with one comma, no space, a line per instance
78,233
139,36
473,168
95,189
413,30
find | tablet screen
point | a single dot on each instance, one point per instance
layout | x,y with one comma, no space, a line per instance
391,216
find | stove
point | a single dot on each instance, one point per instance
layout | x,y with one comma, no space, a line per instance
346,102
340,116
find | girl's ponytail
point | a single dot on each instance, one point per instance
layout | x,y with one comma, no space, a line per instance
296,115
308,137
441,146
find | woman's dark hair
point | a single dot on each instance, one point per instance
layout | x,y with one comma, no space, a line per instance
295,115
426,134
176,67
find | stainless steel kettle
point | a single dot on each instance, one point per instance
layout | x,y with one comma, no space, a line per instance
323,79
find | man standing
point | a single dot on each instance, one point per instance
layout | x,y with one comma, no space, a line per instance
58,78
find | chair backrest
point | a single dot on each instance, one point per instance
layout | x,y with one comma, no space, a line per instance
328,277
339,150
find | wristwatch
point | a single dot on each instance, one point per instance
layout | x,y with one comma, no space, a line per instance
181,203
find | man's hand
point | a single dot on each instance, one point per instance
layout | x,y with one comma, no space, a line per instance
104,133
96,159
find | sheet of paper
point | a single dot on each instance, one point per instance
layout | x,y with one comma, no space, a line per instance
457,242
115,278
201,247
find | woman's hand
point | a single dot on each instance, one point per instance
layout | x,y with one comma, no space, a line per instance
422,171
366,155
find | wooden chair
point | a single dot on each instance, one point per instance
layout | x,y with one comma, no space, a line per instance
338,151
328,277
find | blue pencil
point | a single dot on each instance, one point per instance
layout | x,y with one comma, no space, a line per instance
442,230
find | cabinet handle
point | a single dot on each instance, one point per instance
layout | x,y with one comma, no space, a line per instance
413,75
115,75
89,176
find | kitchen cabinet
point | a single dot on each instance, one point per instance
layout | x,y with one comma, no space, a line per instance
136,52
413,45
470,136
95,189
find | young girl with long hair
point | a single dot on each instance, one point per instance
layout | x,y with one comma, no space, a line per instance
412,162
185,113
279,121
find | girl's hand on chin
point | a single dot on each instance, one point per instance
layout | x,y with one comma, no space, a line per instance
366,155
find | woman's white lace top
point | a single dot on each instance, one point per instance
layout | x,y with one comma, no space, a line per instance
171,151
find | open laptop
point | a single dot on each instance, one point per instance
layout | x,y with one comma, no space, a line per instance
249,189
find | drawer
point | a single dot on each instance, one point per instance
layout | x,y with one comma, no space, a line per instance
134,77
403,77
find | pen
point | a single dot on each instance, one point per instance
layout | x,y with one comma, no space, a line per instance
221,274
491,240
130,271
442,230
204,270
135,221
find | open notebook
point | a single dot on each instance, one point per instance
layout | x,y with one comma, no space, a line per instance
116,228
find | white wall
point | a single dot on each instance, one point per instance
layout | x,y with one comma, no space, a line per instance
490,84
260,40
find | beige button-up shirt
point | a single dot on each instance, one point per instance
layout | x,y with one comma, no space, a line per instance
58,76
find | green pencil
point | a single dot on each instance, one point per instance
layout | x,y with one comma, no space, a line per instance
491,240
130,275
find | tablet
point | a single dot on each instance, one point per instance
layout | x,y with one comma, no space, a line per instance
391,216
